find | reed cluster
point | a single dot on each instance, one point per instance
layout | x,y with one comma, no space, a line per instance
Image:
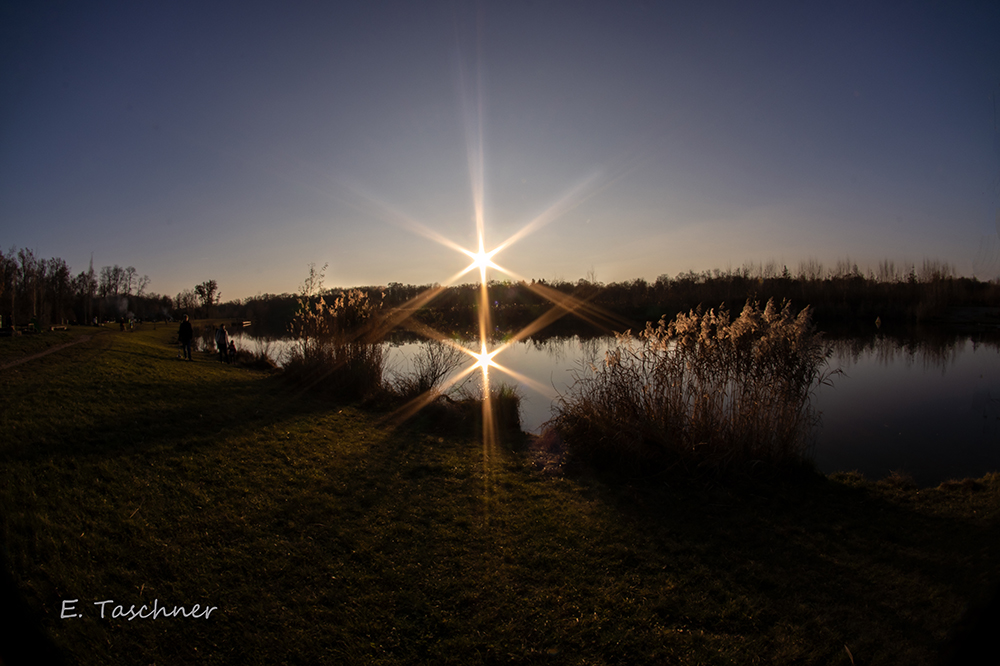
703,389
335,352
506,401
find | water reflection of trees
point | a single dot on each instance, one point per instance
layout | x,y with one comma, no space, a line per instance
571,347
933,348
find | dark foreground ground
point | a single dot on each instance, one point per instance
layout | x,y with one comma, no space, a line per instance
318,534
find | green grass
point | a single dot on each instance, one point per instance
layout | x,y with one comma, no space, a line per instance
323,536
17,349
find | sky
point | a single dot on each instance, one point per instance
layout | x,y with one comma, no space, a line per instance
243,141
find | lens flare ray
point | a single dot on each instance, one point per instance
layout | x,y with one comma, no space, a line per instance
562,304
482,261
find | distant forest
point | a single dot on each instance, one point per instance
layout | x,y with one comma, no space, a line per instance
40,293
842,295
46,293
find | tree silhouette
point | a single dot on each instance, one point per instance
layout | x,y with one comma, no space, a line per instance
208,293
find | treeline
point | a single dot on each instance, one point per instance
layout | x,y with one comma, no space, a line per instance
37,292
45,292
841,294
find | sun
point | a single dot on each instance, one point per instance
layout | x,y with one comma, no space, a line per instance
482,260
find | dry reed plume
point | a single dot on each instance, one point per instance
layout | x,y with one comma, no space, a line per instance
333,352
703,389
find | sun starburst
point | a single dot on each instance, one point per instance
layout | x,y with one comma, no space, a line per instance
482,261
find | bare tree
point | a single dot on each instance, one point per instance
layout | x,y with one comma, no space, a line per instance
186,300
887,271
90,284
8,281
208,292
29,278
110,281
58,287
129,277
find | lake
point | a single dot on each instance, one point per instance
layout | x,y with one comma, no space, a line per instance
929,407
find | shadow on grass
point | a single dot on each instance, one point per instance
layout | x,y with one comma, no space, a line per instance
814,564
325,538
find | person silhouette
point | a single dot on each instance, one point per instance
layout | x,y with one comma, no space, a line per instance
222,343
186,335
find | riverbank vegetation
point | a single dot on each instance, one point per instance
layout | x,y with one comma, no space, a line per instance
703,390
322,535
335,350
338,349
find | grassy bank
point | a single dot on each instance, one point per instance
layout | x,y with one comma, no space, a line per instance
322,536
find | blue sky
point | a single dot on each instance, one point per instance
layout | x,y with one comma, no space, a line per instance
242,141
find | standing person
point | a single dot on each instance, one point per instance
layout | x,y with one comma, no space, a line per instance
222,343
186,335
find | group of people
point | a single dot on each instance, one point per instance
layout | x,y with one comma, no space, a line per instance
225,346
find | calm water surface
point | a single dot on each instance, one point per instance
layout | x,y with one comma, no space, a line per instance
931,410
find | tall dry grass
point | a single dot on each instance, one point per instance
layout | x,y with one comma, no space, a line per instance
703,389
335,352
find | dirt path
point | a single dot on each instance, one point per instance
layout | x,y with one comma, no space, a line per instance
47,351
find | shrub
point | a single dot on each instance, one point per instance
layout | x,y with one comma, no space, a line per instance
506,404
347,368
431,366
703,389
466,411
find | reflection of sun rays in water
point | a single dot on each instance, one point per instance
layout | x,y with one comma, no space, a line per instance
484,359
